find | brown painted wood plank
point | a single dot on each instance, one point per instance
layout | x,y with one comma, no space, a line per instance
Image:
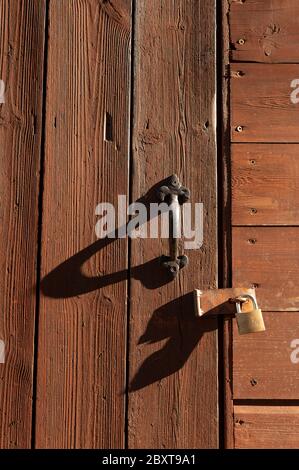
171,353
266,427
265,187
82,327
266,364
224,242
21,69
268,258
270,29
261,103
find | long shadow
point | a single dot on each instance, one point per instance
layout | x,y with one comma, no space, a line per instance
67,279
175,320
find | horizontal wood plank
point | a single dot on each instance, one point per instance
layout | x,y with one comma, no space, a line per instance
264,105
270,29
266,364
266,427
265,184
268,259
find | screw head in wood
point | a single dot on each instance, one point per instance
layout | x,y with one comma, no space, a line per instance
241,41
255,285
239,128
253,211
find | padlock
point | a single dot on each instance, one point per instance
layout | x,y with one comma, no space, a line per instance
252,321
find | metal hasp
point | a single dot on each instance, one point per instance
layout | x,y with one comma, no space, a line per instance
175,195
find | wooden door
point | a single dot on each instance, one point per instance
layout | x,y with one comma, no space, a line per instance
262,410
104,98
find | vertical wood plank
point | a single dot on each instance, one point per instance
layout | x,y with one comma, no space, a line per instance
224,246
82,327
173,358
21,69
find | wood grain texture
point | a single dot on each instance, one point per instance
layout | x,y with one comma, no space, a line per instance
266,427
224,242
82,327
261,103
264,364
21,68
265,178
270,29
171,353
268,258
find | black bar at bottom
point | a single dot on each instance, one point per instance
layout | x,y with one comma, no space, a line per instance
147,458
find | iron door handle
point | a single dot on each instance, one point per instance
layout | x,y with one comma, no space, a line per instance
175,195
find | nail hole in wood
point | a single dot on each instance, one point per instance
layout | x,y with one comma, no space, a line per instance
108,128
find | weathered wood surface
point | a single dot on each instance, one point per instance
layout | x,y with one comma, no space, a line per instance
264,131
270,29
265,178
266,364
171,354
21,69
268,258
224,241
82,326
266,427
261,103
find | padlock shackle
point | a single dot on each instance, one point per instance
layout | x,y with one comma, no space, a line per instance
250,297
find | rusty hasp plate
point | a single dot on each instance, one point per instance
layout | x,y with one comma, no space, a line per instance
217,301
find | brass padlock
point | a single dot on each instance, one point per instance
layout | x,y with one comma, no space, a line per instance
252,321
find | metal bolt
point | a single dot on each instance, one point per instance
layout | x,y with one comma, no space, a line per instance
255,285
253,211
253,162
239,128
241,41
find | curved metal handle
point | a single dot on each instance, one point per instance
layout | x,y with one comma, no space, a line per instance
174,194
